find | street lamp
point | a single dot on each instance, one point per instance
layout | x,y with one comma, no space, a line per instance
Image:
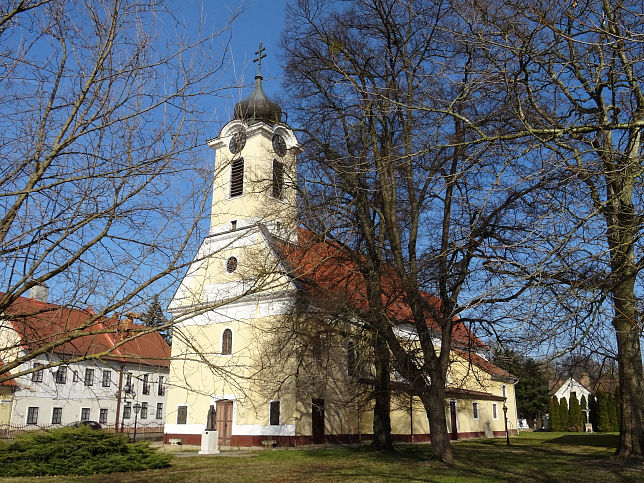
137,408
505,416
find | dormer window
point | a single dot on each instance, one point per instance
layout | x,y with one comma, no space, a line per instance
237,178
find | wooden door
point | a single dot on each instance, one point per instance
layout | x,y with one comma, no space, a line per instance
452,414
317,423
224,421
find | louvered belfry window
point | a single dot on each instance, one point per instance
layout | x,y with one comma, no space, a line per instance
278,179
237,178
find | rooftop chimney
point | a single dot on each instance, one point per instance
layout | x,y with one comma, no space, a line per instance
39,292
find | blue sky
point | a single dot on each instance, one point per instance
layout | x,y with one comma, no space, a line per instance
260,21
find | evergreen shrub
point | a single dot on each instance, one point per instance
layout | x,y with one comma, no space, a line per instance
76,451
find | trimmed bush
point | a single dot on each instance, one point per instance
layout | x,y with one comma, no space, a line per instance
554,414
584,405
575,416
76,451
564,419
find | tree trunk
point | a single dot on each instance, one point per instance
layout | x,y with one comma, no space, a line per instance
631,437
382,406
434,402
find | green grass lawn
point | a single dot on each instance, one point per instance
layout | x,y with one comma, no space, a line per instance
531,457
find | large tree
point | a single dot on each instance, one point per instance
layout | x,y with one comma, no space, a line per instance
574,71
395,179
100,193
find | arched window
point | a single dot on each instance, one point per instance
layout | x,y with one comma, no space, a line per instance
227,342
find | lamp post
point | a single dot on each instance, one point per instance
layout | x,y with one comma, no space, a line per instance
505,416
137,408
127,391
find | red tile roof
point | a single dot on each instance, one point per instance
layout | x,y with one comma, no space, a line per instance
329,272
8,382
40,323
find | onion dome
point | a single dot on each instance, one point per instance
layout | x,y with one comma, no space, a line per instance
257,107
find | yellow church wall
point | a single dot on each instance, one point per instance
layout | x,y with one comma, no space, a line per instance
6,398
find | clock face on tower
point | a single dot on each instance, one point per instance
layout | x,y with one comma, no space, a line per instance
237,142
279,145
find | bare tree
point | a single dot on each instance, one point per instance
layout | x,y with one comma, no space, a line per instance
377,84
101,188
574,74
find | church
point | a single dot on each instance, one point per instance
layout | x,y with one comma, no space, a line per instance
260,334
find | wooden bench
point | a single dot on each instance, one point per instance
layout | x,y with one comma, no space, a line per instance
175,441
269,443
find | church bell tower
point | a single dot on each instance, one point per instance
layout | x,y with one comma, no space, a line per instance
255,167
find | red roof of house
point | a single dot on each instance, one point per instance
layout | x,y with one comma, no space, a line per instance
8,382
75,334
330,273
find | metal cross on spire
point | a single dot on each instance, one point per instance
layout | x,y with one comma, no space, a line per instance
260,55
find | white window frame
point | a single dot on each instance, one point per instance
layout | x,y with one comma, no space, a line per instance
476,410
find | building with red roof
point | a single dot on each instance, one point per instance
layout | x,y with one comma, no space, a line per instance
80,366
270,319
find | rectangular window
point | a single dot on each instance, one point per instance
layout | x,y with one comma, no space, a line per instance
144,410
85,414
182,414
146,384
274,416
128,383
107,378
495,411
102,416
237,178
503,390
32,415
57,416
475,410
61,375
36,376
159,414
89,377
127,410
278,179
161,390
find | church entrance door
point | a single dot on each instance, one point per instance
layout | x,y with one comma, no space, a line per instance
224,421
317,428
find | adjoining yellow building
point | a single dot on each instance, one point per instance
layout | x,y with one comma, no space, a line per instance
255,337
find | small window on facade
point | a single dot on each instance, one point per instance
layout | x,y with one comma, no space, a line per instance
75,376
36,376
161,391
274,416
85,414
475,410
495,411
144,410
503,390
233,225
89,377
227,342
351,358
237,178
182,414
107,378
57,416
159,414
32,415
127,410
278,179
61,375
316,349
231,264
128,383
102,416
146,384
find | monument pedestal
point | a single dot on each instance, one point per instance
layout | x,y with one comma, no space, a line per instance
209,442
